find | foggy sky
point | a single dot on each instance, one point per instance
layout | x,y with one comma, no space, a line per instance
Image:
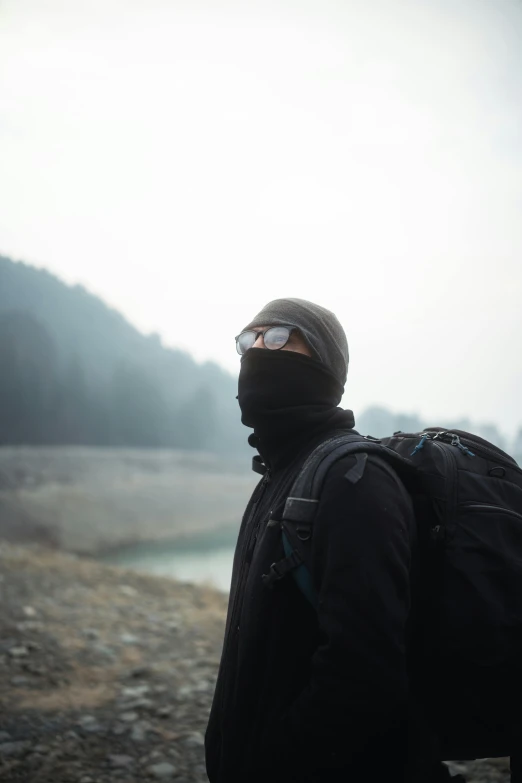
189,161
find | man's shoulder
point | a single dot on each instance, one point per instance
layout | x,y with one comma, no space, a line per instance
368,481
365,470
370,462
363,467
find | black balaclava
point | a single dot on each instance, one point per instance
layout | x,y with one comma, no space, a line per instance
289,398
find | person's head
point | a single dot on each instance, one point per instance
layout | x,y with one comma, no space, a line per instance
294,362
302,327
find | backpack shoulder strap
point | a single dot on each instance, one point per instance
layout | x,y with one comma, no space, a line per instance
301,505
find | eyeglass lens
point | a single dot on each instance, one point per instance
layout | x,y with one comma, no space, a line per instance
274,338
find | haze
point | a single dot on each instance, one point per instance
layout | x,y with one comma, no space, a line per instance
189,161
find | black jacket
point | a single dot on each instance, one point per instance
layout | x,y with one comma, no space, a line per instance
304,696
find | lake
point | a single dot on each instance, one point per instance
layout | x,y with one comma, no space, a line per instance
196,561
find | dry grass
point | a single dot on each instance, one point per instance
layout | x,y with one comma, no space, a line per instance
71,697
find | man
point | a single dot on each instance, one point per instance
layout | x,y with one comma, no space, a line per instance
312,696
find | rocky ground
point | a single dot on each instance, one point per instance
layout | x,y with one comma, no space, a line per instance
106,675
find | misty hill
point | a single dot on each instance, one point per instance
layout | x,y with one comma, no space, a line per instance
74,371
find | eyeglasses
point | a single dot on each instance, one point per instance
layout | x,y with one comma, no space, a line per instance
274,337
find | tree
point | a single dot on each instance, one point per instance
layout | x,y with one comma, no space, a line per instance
137,411
28,379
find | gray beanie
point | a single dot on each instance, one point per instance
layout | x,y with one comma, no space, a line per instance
320,328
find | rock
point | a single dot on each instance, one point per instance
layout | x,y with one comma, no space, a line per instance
137,734
141,671
214,663
129,638
4,736
162,771
29,625
91,633
128,591
119,728
144,704
139,731
29,611
14,748
86,779
135,691
94,728
195,739
85,719
20,680
90,723
104,650
129,717
202,686
118,761
34,668
18,652
164,712
43,749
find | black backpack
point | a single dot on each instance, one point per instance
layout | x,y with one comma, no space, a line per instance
466,652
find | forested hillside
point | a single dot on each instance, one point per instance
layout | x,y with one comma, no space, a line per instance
74,371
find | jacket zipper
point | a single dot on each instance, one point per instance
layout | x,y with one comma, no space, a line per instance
236,608
253,538
490,507
244,557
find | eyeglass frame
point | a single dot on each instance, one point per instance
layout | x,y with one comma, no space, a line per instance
263,332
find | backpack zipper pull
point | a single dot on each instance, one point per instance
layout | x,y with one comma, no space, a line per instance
419,445
455,441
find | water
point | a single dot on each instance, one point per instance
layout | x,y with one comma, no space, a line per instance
189,561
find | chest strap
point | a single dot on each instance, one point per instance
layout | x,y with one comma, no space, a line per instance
283,567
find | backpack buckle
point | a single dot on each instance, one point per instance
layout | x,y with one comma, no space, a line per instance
280,569
273,576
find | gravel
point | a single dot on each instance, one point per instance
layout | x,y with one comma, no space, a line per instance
98,690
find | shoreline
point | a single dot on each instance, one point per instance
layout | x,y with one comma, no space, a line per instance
93,501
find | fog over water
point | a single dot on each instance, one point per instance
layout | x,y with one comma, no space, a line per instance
189,564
